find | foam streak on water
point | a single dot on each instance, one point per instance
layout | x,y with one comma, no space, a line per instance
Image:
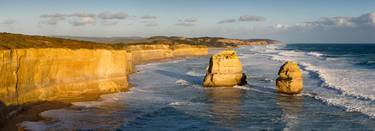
354,85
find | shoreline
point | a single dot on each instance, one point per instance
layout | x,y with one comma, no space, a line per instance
31,111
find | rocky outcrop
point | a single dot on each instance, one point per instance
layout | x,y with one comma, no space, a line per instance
290,79
225,69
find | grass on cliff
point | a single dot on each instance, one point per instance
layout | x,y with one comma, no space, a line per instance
20,41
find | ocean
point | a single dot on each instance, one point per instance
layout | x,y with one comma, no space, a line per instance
338,94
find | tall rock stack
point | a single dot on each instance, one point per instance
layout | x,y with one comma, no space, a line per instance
290,79
225,69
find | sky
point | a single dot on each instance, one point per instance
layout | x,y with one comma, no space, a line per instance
292,21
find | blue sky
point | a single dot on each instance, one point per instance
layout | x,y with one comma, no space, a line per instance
286,20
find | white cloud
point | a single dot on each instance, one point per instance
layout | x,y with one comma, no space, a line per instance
151,24
82,18
243,18
55,16
227,21
82,21
52,19
8,22
281,26
82,15
111,15
330,29
365,20
248,18
189,21
149,17
108,22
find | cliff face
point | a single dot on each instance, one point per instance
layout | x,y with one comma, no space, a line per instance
39,68
242,42
147,53
55,74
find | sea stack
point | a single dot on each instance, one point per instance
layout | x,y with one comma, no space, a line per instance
224,70
290,79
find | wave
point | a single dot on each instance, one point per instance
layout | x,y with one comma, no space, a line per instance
342,81
351,82
178,103
352,86
280,58
349,105
182,82
316,54
194,73
291,53
242,87
104,99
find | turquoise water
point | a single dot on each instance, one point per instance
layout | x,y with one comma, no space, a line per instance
169,96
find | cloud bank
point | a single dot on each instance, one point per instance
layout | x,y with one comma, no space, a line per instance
227,21
244,18
111,16
149,17
341,28
365,20
8,22
83,18
249,18
189,21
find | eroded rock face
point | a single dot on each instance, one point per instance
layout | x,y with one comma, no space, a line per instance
225,69
290,79
54,74
59,74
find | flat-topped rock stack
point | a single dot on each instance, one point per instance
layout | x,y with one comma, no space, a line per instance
224,70
290,79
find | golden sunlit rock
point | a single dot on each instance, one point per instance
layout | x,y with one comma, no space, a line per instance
225,69
35,68
290,79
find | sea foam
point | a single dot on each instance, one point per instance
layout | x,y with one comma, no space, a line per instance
355,86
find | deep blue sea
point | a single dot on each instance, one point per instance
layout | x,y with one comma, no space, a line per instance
338,94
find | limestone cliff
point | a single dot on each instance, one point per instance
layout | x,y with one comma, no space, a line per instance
30,75
36,68
290,79
147,53
227,42
225,69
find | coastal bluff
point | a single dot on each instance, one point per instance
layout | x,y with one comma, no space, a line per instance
290,79
224,69
38,68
